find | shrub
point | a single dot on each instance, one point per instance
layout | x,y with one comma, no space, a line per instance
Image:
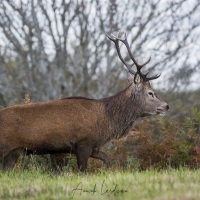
161,144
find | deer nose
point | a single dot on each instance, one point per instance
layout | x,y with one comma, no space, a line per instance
167,107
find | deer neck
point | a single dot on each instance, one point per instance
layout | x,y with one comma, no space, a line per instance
122,110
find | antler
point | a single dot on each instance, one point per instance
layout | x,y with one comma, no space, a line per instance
144,77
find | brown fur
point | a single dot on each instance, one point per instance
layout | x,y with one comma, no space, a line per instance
77,125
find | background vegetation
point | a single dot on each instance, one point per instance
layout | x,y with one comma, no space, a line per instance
59,48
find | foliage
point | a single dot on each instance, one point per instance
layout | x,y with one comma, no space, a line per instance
27,99
162,144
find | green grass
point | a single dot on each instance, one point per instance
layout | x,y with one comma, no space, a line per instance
167,184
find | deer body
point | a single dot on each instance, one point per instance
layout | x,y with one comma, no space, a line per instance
77,125
44,127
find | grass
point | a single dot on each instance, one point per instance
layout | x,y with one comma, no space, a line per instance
128,184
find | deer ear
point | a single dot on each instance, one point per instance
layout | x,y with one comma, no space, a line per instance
130,78
134,78
137,79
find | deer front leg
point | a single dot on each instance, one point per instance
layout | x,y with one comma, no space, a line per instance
101,156
83,152
10,159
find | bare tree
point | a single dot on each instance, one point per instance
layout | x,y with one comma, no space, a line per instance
53,48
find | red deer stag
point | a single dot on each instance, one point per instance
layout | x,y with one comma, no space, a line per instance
78,125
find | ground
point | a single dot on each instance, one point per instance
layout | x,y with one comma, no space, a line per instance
102,184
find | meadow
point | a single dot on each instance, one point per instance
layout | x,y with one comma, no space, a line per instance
182,183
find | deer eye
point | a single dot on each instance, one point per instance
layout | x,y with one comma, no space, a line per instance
150,93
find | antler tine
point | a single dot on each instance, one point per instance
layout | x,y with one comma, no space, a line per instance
151,78
145,78
139,66
116,40
145,62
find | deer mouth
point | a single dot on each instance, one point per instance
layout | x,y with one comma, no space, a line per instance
160,111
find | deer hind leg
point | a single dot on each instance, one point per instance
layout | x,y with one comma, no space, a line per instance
83,152
10,158
101,156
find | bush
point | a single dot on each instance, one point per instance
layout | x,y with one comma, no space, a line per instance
161,144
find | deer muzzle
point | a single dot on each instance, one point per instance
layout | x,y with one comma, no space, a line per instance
162,110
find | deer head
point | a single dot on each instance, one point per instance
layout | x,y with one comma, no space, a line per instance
141,89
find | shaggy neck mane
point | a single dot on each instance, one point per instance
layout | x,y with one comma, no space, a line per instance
122,110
